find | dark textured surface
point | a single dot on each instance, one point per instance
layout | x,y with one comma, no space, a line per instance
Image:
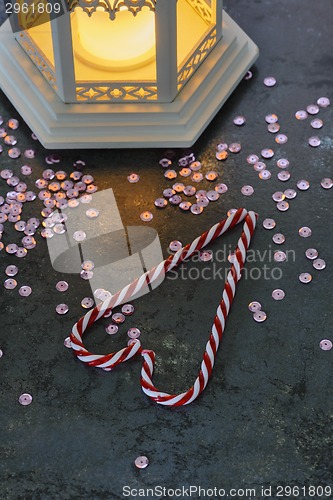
265,417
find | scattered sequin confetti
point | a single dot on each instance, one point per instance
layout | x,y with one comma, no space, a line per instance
221,155
280,256
196,209
259,316
303,185
311,253
206,255
281,139
269,223
325,345
118,318
267,153
254,306
284,175
319,264
323,102
111,329
87,302
283,206
326,183
11,271
239,120
79,236
235,147
265,175
211,176
271,118
269,81
25,399
278,294
278,196
305,277
279,238
283,163
175,245
301,114
314,141
305,232
127,309
146,216
317,123
10,284
273,128
62,309
290,194
221,188
134,333
141,462
312,109
67,343
133,178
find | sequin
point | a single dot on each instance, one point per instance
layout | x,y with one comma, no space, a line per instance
283,163
283,206
195,166
14,153
11,271
76,176
259,316
269,223
72,193
201,194
111,329
267,153
247,190
319,264
312,109
248,75
25,399
175,199
13,124
1,353
305,278
305,232
10,140
211,176
79,236
134,333
303,185
167,193
223,146
301,114
325,345
29,153
221,155
165,162
259,166
314,141
87,179
269,81
265,175
311,253
62,309
133,178
21,252
278,294
213,195
178,187
87,302
189,191
326,183
11,248
170,174
283,176
67,343
252,159
10,284
290,194
61,175
86,198
185,172
206,255
254,306
92,213
281,139
62,286
3,133
196,209
280,256
185,205
235,147
273,128
279,238
6,173
221,188
317,123
13,181
47,233
118,318
86,275
323,102
25,291
202,201
197,177
239,120
271,118
127,309
30,196
141,462
278,196
175,245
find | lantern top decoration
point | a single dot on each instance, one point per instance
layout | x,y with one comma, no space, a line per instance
112,6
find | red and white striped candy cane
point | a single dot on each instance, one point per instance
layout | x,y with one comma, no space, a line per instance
131,290
212,345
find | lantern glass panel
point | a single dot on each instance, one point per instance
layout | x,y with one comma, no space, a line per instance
121,49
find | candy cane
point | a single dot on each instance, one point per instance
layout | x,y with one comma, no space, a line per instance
129,291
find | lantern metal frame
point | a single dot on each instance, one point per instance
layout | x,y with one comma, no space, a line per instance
172,111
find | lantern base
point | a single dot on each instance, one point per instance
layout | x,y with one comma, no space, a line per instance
126,125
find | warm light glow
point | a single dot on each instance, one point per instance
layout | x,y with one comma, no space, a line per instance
125,43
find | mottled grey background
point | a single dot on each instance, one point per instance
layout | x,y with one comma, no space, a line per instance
265,417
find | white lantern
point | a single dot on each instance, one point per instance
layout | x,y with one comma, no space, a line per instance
121,73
